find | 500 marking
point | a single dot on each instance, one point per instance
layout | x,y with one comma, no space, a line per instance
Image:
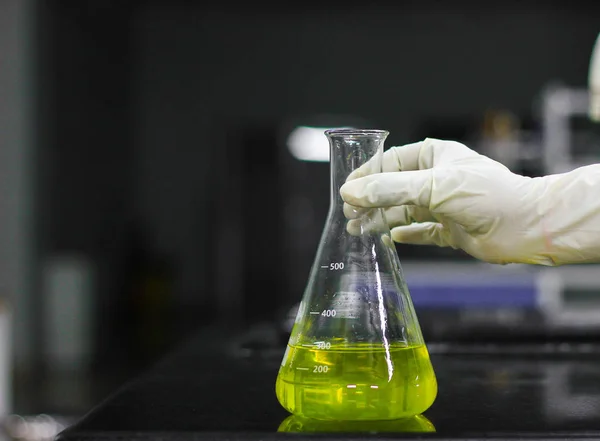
334,266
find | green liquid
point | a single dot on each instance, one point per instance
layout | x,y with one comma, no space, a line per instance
363,382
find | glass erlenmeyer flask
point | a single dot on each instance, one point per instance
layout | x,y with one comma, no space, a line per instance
356,351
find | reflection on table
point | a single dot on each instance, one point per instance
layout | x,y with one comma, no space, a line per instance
418,423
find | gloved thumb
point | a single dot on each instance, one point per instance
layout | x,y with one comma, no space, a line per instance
389,189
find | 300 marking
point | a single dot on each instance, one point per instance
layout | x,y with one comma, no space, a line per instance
323,345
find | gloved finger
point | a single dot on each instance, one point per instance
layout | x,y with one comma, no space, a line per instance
354,227
389,189
424,155
427,233
401,158
394,216
419,155
407,214
406,157
352,212
370,167
365,225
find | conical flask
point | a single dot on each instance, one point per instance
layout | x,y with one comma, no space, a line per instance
356,351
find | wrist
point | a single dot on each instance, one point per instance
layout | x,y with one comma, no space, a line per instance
569,213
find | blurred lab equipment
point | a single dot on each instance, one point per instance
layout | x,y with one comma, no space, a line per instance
566,141
5,359
356,351
68,310
40,427
415,424
594,83
564,145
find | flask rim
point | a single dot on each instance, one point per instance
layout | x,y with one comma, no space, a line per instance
356,132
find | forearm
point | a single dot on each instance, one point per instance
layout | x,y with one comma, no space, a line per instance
570,216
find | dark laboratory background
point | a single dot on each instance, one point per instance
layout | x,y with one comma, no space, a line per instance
150,187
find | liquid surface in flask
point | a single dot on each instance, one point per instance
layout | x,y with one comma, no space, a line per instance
356,352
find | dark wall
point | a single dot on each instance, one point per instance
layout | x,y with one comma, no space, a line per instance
392,64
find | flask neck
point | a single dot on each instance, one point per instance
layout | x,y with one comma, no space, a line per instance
349,150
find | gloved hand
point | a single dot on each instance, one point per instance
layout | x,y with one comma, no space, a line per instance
443,193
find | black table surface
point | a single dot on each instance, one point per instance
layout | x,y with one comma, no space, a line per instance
212,389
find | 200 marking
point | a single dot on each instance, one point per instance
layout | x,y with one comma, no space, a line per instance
321,369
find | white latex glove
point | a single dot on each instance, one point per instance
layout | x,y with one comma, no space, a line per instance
442,193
